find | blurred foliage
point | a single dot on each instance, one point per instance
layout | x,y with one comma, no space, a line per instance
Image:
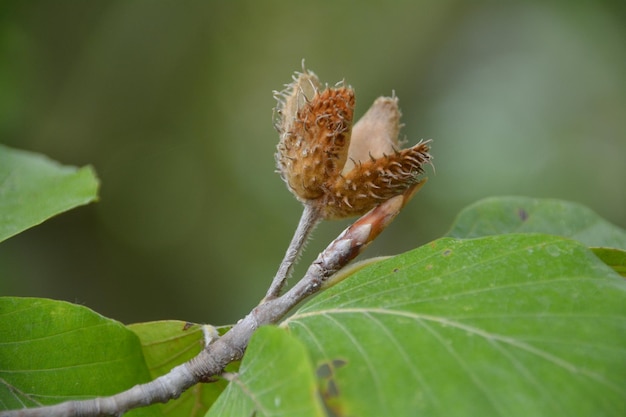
172,104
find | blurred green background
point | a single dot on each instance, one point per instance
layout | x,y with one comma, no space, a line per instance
172,104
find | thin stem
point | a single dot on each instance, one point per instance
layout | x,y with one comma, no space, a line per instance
308,221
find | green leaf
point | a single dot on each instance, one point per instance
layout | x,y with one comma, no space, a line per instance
500,215
615,258
275,378
508,325
34,188
167,344
53,351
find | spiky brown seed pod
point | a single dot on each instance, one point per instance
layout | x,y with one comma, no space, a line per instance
314,135
341,170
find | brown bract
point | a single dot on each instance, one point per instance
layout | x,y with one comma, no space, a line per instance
342,170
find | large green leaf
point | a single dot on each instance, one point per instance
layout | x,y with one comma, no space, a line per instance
53,351
276,378
167,344
34,188
500,215
508,325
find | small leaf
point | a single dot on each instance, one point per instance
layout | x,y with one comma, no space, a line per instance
34,188
53,351
615,258
167,344
276,378
508,325
500,215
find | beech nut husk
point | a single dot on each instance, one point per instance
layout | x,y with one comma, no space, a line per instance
341,169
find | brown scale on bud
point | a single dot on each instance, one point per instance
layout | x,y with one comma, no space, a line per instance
341,170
